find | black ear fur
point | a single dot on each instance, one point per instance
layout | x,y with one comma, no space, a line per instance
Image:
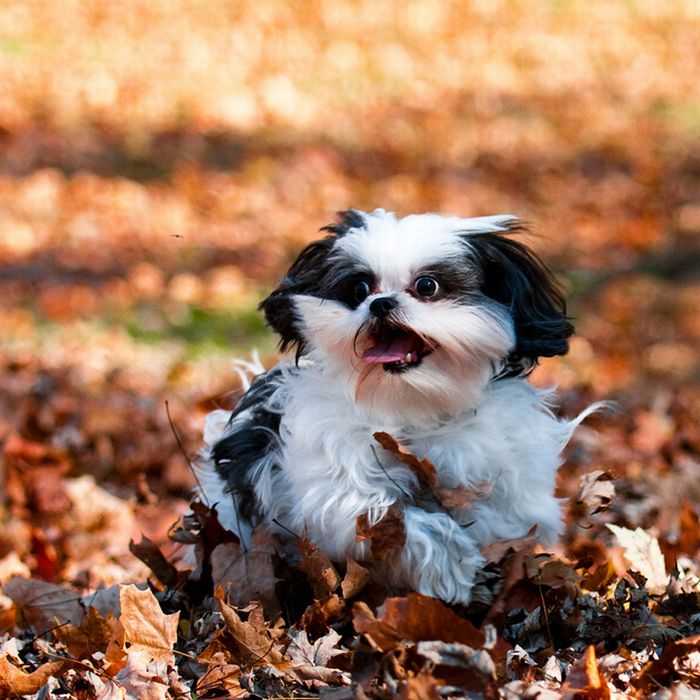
307,275
515,277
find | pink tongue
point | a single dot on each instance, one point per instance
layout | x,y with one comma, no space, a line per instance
390,351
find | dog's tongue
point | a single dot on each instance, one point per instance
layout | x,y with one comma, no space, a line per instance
391,350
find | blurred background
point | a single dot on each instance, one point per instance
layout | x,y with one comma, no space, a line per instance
161,161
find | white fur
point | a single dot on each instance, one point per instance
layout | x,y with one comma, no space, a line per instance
327,469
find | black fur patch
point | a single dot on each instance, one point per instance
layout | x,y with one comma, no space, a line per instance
515,277
236,453
313,273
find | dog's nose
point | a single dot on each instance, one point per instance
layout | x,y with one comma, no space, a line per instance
382,306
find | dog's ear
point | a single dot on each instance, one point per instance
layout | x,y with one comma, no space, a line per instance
308,275
304,277
515,277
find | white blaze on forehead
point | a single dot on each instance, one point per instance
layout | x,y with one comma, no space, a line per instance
395,249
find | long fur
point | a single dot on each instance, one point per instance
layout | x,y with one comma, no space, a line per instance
298,452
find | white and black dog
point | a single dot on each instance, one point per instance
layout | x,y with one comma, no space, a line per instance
423,327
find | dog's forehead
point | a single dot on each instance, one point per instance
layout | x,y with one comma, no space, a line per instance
394,248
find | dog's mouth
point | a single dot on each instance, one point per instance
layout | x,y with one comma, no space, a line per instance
396,349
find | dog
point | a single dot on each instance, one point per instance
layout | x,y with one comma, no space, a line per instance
426,328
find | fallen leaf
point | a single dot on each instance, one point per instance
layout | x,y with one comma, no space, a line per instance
317,566
146,628
663,671
321,613
689,530
459,664
44,605
91,637
600,578
644,554
555,574
386,536
14,681
423,686
247,575
463,497
356,577
309,661
415,618
141,679
149,553
422,468
584,681
252,644
497,550
596,491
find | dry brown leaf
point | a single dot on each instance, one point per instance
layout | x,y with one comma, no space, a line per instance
356,577
600,578
596,491
318,567
422,468
15,682
146,627
309,661
44,605
459,665
555,574
221,676
247,575
321,613
139,680
252,644
584,681
149,553
423,686
386,536
415,618
689,530
497,550
663,671
463,497
92,636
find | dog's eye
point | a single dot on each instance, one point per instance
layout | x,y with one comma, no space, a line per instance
361,291
426,287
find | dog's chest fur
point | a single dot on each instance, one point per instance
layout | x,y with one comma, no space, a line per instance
325,467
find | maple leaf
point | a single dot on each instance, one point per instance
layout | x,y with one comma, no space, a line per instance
309,661
146,628
644,554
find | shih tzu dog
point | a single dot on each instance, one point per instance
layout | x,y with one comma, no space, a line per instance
424,328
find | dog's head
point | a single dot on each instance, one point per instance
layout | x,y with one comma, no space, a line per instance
416,315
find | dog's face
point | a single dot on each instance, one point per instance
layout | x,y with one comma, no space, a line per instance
414,316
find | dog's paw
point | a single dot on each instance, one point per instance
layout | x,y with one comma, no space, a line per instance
439,558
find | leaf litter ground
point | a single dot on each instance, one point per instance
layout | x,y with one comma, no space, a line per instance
614,612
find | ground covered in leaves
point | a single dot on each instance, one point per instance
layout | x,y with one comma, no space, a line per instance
160,163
